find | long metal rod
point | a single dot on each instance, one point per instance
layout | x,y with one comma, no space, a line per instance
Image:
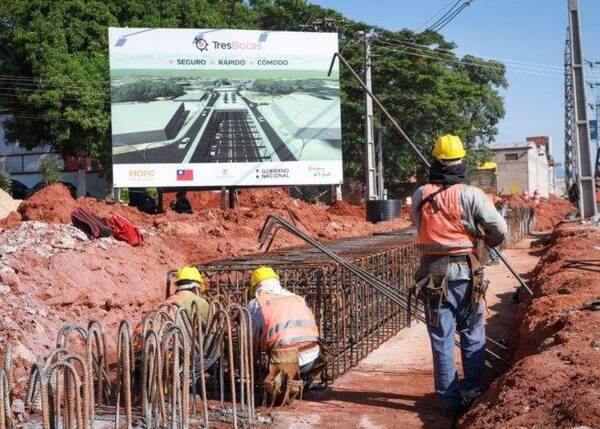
273,223
414,148
512,270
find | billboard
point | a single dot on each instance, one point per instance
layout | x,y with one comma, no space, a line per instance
201,107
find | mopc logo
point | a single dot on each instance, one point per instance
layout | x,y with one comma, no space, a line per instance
200,43
141,174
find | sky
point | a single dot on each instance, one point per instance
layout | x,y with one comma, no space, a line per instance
530,31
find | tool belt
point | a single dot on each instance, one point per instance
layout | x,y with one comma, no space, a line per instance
283,379
431,285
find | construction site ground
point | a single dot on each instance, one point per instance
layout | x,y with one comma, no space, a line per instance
393,386
51,274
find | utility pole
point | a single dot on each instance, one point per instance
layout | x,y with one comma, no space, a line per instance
585,173
371,191
597,167
380,184
570,161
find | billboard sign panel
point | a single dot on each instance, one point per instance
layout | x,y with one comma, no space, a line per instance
201,107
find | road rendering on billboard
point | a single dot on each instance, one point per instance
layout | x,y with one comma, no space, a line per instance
200,107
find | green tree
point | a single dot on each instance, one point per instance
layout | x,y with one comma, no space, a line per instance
50,168
54,66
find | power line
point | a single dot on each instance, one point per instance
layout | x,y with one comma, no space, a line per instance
438,13
451,55
451,17
444,16
458,61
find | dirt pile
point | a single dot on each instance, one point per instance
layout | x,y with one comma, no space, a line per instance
555,381
199,200
548,212
52,204
342,208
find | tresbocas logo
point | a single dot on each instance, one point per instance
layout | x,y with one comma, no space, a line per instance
202,44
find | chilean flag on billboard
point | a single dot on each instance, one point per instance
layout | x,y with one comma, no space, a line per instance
185,174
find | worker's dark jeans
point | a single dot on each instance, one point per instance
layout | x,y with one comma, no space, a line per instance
453,315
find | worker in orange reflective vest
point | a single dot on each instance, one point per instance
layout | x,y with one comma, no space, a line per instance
448,215
281,319
284,327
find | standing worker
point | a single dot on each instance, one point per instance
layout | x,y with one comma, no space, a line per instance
448,215
285,328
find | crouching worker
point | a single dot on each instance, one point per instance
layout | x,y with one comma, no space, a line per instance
190,285
284,328
448,215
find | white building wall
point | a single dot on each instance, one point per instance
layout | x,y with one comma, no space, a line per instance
527,173
512,177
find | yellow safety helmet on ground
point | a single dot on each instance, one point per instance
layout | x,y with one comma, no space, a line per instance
190,274
257,276
448,147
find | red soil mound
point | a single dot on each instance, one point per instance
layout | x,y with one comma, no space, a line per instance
548,212
52,204
554,382
200,200
343,208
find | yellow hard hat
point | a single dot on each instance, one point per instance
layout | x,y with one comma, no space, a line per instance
257,276
448,147
190,274
262,273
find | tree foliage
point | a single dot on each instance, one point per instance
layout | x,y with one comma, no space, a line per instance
55,77
145,90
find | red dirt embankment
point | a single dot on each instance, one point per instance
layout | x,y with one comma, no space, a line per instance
548,212
50,275
555,381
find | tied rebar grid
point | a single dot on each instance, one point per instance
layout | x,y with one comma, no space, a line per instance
353,319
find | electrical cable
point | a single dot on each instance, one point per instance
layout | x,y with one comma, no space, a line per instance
442,56
450,18
426,48
458,61
434,15
444,16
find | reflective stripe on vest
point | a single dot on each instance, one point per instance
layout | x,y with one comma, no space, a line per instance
442,232
287,321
